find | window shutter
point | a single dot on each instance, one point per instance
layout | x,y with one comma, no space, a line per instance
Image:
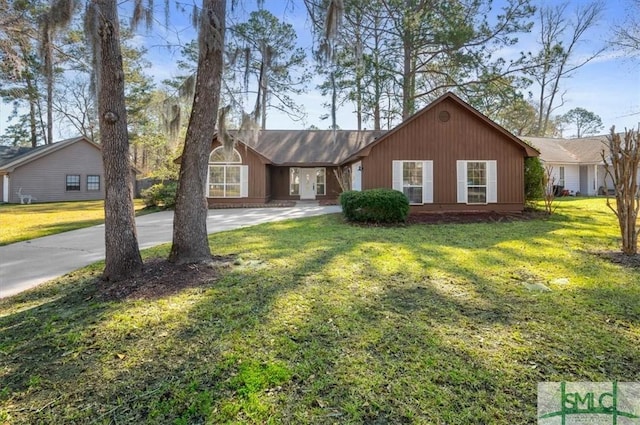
244,181
461,167
427,182
397,175
492,182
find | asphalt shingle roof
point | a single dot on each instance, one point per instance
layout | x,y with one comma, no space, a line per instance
11,154
585,150
319,147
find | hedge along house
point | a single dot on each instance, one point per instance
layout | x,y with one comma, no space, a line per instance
69,170
446,157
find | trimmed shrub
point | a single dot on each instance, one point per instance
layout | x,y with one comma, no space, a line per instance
375,205
533,175
161,195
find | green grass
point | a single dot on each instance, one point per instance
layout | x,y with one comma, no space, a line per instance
24,222
321,323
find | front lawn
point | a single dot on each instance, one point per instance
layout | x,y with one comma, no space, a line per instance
319,322
24,222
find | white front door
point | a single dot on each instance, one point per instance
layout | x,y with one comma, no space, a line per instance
307,183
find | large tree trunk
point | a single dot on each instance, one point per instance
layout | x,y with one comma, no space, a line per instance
190,242
122,254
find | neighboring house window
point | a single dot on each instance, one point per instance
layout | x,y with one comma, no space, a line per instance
321,181
415,180
294,181
93,183
73,182
477,182
561,175
228,178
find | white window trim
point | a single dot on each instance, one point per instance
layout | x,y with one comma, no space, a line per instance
492,181
235,154
427,179
244,175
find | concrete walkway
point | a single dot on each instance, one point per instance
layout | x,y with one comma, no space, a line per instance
24,265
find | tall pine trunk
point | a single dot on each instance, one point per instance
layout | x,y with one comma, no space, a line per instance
48,72
122,254
190,242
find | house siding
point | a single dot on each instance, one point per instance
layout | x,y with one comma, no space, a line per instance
463,137
602,175
45,177
257,183
571,176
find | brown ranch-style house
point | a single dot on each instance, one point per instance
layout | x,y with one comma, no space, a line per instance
446,157
69,170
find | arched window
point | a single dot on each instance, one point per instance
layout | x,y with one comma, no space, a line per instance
227,177
221,156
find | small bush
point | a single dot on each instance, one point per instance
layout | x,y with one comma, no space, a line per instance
533,176
160,195
375,205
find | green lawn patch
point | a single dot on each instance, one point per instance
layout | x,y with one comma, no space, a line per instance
322,322
24,222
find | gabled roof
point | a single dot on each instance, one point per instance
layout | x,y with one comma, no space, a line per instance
528,149
585,150
327,148
12,158
312,147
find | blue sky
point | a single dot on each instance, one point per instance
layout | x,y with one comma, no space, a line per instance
608,86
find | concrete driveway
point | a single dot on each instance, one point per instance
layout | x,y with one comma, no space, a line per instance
24,265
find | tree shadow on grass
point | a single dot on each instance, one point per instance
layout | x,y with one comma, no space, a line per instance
321,331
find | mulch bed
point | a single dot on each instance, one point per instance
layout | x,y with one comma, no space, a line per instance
618,257
160,278
471,217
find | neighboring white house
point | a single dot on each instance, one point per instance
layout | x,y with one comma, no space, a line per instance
576,164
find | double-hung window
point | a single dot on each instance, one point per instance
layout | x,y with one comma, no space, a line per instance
228,178
477,182
93,182
415,180
73,182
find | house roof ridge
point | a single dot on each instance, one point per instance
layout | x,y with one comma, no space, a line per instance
38,151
